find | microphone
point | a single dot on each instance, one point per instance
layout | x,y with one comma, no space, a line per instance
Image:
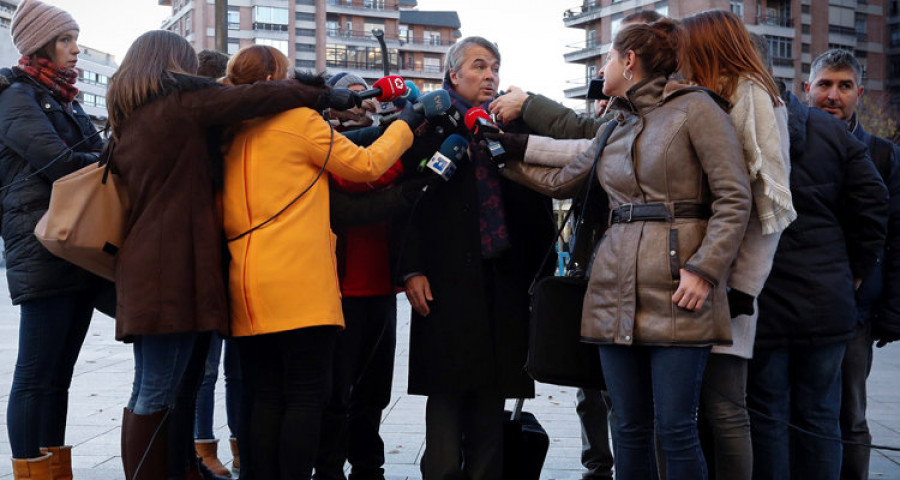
433,103
412,92
443,162
479,122
385,89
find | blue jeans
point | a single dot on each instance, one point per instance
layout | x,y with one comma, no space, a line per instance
51,332
658,385
160,362
800,385
203,422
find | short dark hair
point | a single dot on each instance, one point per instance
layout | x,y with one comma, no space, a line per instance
213,64
836,59
643,16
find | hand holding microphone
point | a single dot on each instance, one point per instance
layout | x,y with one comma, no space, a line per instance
515,144
479,123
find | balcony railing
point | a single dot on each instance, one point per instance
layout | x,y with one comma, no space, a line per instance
273,27
783,62
368,5
356,35
583,9
775,21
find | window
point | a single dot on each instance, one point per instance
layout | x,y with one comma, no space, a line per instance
804,48
281,45
737,8
304,32
433,64
591,40
782,49
432,37
662,8
590,72
804,9
348,30
615,23
233,47
804,28
270,18
403,32
187,23
332,28
895,36
861,22
305,17
376,4
234,20
358,58
372,25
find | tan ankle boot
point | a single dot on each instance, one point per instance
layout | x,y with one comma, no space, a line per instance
60,462
236,463
207,450
32,468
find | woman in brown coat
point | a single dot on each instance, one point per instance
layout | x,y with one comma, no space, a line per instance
169,276
680,200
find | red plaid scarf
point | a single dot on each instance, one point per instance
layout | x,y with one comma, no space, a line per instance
59,80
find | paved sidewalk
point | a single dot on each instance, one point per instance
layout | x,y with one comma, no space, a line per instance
103,376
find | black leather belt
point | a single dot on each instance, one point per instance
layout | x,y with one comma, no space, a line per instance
657,212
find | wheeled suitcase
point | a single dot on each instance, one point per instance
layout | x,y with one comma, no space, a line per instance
525,444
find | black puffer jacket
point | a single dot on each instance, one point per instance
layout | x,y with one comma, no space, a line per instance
36,128
838,236
879,295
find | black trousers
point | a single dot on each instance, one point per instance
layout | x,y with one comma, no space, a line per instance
464,436
287,377
363,373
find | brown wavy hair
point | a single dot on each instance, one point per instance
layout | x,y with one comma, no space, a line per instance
655,44
256,63
718,52
140,76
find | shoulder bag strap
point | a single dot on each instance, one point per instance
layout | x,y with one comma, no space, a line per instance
604,137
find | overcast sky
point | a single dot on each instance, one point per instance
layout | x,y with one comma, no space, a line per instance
532,39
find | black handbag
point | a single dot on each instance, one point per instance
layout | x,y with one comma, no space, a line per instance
556,353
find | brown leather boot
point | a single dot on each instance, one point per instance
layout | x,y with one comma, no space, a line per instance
208,452
144,445
236,455
37,468
60,462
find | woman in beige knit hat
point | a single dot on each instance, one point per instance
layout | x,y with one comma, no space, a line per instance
44,135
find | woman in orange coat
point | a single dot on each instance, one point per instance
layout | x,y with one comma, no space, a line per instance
285,297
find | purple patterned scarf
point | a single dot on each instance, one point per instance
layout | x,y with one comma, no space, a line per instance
491,212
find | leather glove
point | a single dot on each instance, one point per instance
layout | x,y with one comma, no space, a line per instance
739,303
412,118
413,189
341,99
514,143
883,337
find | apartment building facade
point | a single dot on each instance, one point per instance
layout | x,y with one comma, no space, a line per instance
797,31
329,35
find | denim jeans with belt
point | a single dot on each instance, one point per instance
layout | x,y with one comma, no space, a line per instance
51,332
661,384
800,385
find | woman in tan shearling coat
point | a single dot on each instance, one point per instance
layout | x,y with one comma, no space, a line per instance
680,200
